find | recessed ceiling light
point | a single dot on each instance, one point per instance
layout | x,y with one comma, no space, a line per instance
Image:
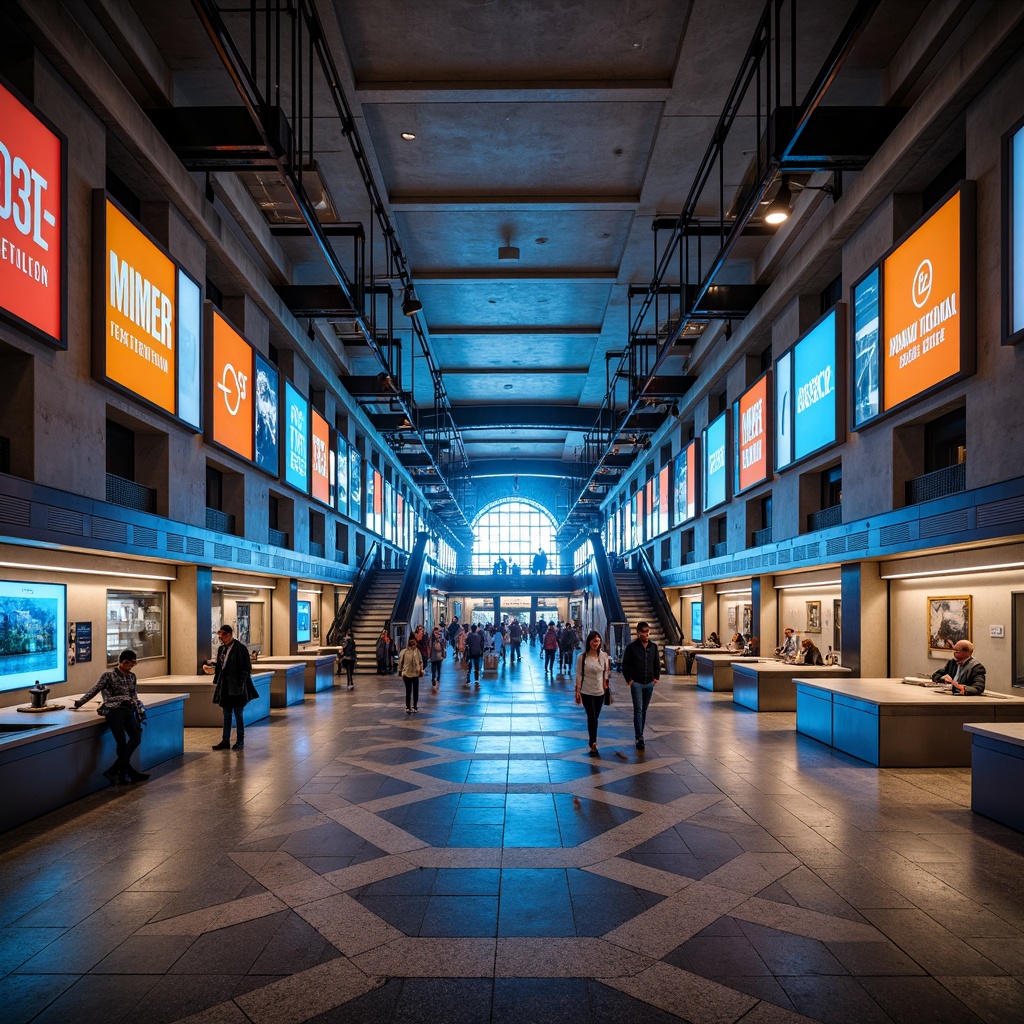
408,136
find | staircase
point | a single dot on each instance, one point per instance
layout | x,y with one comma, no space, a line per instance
369,618
637,606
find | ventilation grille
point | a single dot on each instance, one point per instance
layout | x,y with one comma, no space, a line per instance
835,546
898,533
1009,510
195,546
949,522
107,529
62,521
243,556
175,542
15,511
145,537
222,552
857,541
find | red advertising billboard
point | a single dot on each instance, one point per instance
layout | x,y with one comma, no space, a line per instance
231,389
751,433
319,463
32,220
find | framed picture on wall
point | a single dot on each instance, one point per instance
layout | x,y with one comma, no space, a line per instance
949,620
732,616
748,619
813,617
837,625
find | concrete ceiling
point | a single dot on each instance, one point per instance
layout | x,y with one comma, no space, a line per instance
561,127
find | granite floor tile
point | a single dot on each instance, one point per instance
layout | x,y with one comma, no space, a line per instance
912,1000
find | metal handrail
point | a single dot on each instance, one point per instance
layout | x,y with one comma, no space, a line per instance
354,597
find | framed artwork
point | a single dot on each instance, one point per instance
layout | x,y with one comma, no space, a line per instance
813,617
949,620
732,616
837,624
748,619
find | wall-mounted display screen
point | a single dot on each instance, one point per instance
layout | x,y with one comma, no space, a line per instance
866,337
371,493
662,489
1013,235
231,373
319,463
33,633
303,622
355,483
190,330
716,462
751,421
32,220
922,304
296,438
342,475
267,412
784,410
140,321
685,484
696,621
815,379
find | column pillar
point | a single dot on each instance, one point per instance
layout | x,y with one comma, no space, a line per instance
191,598
865,611
284,610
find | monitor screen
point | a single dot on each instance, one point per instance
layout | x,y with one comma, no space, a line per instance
33,634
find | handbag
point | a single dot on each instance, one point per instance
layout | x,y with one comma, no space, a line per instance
608,698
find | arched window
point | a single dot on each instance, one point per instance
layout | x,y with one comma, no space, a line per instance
513,529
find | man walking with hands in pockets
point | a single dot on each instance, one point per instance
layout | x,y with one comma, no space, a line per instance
641,667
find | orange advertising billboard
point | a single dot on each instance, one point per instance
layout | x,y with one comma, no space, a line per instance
922,303
139,320
752,423
231,389
319,462
32,250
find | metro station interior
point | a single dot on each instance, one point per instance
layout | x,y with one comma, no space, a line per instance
320,318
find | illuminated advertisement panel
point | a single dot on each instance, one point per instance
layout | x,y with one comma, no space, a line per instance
922,307
32,220
296,438
716,462
231,388
190,328
342,475
686,484
866,339
663,486
750,429
1013,235
377,502
319,463
815,394
784,410
650,497
268,418
355,483
139,315
403,525
371,480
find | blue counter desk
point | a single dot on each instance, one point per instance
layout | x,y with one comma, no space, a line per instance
997,771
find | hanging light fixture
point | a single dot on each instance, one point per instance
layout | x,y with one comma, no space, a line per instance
778,208
410,304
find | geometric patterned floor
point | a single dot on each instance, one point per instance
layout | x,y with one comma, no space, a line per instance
473,864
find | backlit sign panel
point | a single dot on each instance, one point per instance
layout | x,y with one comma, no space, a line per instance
784,410
296,438
319,462
190,330
716,462
355,483
342,476
662,503
1013,235
922,306
815,385
685,486
140,315
32,220
751,426
231,367
268,417
866,337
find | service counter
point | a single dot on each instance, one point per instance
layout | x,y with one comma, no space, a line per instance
690,652
769,686
50,759
318,669
287,684
200,711
892,725
714,668
997,771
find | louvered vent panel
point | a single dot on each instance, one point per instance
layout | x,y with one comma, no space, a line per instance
949,522
1009,510
195,546
222,552
15,511
107,529
61,521
857,541
263,559
243,556
785,557
899,533
175,542
144,537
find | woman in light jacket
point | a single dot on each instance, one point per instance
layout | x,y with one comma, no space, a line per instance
593,667
410,668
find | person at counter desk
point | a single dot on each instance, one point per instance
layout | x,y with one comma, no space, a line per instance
789,647
232,686
964,675
809,654
124,713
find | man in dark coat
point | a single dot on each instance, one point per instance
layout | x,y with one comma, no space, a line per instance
965,675
232,685
641,668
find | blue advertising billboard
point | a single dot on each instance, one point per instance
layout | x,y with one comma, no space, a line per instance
784,410
815,390
267,452
866,391
716,462
296,438
355,483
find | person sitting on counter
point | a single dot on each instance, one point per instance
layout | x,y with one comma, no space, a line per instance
964,675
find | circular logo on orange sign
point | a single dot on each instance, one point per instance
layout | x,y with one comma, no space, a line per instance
922,285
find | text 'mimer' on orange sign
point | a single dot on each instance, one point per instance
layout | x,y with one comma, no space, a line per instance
31,231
